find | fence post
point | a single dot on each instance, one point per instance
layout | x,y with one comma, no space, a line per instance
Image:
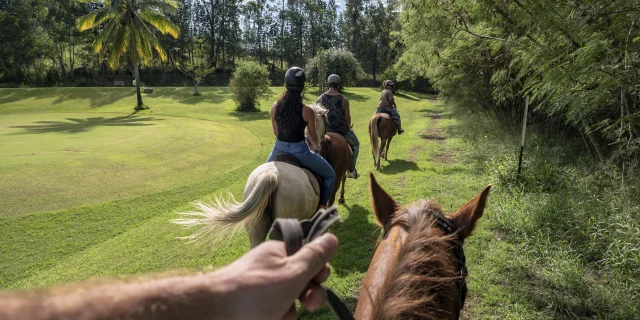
524,131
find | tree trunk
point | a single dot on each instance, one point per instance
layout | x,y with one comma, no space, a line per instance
140,105
195,87
136,75
593,141
586,144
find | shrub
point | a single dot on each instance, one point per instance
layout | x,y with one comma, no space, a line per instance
340,62
249,83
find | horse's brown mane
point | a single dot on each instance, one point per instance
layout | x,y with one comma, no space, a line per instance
424,266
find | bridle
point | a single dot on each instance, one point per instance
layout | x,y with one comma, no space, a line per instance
458,252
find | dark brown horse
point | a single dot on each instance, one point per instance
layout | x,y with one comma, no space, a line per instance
418,269
382,127
337,151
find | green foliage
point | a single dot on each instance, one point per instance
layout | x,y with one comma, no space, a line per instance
249,83
135,33
197,67
577,60
126,27
338,61
392,74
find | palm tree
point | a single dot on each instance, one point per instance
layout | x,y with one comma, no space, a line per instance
127,24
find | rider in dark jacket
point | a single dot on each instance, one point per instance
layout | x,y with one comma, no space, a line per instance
339,118
388,104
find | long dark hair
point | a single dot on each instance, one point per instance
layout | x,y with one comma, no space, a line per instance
288,111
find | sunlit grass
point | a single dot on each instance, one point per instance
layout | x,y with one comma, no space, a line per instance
525,259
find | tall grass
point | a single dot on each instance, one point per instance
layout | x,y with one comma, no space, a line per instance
576,221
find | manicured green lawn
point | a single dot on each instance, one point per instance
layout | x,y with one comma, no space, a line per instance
115,180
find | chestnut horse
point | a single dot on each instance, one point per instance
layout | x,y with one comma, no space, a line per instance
382,127
337,151
418,270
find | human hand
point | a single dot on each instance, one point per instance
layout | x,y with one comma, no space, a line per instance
264,283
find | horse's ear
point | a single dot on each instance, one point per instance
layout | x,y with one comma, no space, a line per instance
466,217
383,205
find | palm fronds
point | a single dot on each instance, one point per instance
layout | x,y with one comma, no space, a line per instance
130,22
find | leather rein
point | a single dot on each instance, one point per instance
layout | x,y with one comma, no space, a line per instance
296,234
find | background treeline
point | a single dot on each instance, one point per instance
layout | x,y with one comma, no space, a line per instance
40,44
578,60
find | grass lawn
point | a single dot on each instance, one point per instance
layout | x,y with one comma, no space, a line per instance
88,189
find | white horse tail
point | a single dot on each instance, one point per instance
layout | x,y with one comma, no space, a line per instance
374,134
216,218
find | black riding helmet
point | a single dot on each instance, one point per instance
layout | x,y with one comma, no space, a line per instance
294,79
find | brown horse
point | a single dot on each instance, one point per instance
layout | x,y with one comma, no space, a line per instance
418,269
337,151
382,127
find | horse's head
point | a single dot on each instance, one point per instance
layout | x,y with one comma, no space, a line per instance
418,269
321,120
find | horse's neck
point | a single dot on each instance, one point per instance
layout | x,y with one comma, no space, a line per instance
381,268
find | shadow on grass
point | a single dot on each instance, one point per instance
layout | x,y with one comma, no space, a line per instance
250,115
211,95
356,97
398,166
75,125
358,240
97,97
406,96
431,111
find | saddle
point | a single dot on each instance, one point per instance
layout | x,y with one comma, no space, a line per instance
314,178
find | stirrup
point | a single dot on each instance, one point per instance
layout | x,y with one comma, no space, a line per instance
353,174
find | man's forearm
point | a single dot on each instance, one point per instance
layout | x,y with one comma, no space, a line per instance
171,298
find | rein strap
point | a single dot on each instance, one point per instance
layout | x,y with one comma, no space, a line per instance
296,234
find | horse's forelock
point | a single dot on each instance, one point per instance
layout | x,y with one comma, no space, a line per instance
424,266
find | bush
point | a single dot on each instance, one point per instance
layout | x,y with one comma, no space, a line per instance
340,62
249,83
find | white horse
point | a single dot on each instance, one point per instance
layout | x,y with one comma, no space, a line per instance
273,190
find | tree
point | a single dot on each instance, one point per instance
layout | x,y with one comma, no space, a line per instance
579,61
197,68
127,28
340,62
250,82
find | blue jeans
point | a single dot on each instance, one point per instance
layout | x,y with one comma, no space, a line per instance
355,145
310,160
393,113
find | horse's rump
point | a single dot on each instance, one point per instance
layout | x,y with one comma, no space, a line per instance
314,178
273,190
